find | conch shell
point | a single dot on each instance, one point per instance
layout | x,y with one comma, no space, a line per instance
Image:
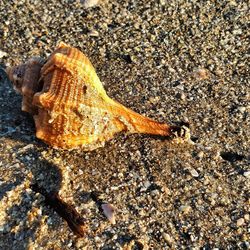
69,104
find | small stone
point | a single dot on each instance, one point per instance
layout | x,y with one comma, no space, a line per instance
146,184
25,148
93,33
192,238
155,192
185,209
166,190
200,154
247,174
142,213
246,217
193,172
213,202
143,229
167,238
180,87
240,222
3,54
201,74
154,100
89,3
109,211
97,239
237,31
241,109
162,2
183,96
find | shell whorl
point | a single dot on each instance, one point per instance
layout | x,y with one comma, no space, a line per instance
25,79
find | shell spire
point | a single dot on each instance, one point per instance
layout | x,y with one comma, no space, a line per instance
70,106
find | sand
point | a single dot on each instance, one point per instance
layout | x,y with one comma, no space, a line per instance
170,60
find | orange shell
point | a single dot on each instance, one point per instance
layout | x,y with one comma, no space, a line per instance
69,104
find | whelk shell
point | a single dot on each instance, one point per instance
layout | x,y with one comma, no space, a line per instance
70,106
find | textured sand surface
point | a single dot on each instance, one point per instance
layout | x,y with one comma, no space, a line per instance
170,60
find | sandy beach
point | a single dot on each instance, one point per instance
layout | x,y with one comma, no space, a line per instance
173,61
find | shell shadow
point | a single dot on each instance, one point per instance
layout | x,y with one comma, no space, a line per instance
15,124
19,229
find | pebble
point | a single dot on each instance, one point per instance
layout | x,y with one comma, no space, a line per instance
146,184
185,209
183,96
247,217
240,222
193,172
166,190
201,74
247,174
163,2
89,3
3,54
167,238
93,33
200,155
241,109
25,148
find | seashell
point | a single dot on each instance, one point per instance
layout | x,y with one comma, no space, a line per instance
70,106
109,211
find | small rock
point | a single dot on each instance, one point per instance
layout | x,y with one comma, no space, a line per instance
89,3
193,172
241,109
155,192
154,100
142,213
247,174
3,54
237,31
183,96
201,74
93,33
25,148
185,209
246,217
240,222
167,238
109,212
146,184
200,154
166,190
162,2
